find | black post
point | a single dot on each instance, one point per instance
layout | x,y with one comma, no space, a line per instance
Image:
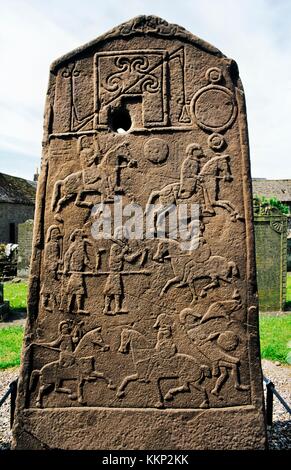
13,391
270,387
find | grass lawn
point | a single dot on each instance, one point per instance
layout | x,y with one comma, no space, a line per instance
16,293
288,293
275,331
275,336
11,337
10,346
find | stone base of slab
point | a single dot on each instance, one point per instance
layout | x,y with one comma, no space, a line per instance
237,428
4,311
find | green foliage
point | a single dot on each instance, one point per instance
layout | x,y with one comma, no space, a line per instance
275,336
16,294
10,346
11,337
2,251
267,205
288,291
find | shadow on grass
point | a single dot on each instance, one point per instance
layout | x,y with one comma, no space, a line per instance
14,315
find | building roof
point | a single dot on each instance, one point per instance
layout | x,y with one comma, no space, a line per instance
280,189
17,190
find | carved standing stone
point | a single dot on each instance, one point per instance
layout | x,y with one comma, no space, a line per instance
137,342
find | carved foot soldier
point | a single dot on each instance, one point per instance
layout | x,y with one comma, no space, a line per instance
75,260
114,290
52,262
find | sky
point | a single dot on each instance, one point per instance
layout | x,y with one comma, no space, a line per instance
256,33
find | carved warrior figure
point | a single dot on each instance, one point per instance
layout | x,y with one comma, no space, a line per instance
165,348
98,176
119,254
162,362
215,349
75,260
69,366
189,267
53,259
203,182
188,340
190,181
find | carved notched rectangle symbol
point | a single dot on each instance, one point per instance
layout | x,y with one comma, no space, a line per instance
137,76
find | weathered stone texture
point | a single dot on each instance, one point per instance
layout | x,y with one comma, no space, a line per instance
271,260
25,231
134,344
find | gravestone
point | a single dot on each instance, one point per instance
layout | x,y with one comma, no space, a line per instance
143,339
288,251
271,258
4,305
25,231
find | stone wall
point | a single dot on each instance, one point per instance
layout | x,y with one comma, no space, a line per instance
25,232
271,259
13,214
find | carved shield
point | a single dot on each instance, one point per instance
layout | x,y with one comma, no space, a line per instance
143,241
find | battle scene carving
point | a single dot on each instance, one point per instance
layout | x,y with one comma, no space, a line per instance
98,176
69,365
142,275
89,271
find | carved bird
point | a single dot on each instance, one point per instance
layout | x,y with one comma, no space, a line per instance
223,308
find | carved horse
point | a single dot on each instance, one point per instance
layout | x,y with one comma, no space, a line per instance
103,179
215,170
187,269
181,367
81,369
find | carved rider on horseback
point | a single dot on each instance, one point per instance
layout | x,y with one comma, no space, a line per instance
190,180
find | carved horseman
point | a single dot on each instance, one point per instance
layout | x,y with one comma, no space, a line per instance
181,104
89,159
97,176
66,342
190,181
165,348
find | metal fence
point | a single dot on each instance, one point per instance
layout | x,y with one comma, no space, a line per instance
11,390
271,391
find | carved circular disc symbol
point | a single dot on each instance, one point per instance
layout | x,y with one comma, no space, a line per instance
214,108
156,150
216,141
214,75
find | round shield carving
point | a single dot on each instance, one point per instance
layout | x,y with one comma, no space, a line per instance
156,150
214,108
